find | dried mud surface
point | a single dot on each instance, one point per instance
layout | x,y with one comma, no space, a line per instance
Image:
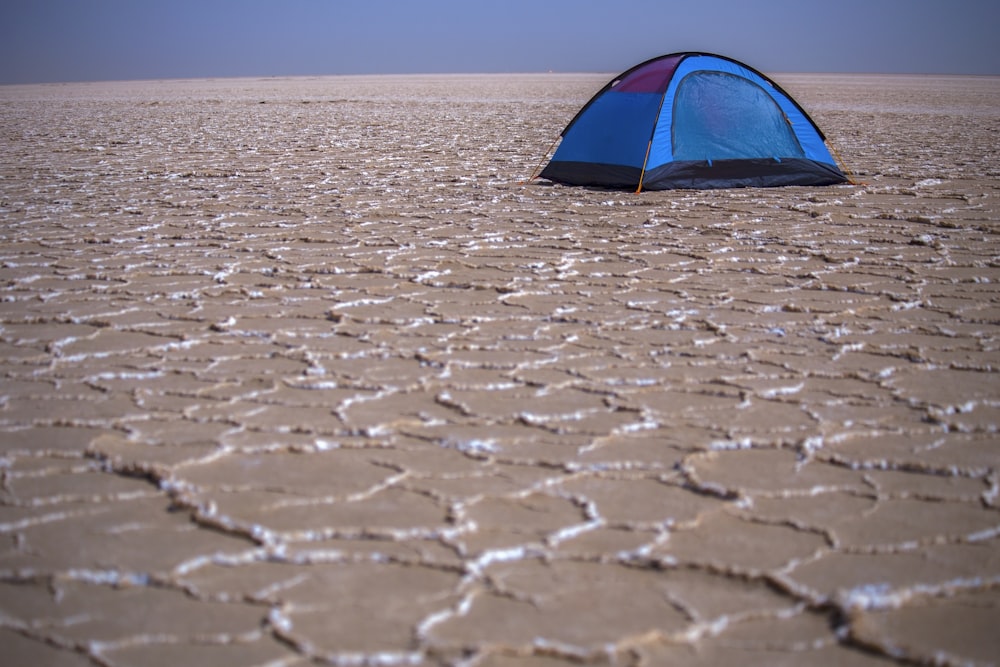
298,370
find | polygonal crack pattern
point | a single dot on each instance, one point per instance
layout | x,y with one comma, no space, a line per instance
297,371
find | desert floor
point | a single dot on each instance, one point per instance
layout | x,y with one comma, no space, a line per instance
301,370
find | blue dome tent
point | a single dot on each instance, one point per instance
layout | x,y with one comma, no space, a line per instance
692,120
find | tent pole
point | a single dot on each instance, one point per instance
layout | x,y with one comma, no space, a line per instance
649,146
841,163
645,160
538,167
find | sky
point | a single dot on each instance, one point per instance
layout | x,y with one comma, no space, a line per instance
47,41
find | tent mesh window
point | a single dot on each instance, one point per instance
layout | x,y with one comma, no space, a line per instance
720,116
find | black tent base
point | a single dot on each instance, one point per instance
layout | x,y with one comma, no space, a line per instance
699,175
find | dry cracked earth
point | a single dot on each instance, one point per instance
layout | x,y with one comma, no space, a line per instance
299,371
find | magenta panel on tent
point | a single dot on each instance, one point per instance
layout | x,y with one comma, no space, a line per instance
651,77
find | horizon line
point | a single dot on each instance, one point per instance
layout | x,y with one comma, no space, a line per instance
210,77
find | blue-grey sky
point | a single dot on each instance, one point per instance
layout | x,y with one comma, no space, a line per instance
94,40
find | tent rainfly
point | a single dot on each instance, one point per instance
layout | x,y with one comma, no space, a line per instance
692,120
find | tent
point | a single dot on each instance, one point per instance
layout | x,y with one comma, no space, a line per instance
692,120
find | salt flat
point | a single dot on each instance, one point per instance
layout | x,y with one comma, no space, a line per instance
300,370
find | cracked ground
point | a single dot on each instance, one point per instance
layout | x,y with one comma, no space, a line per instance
298,371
